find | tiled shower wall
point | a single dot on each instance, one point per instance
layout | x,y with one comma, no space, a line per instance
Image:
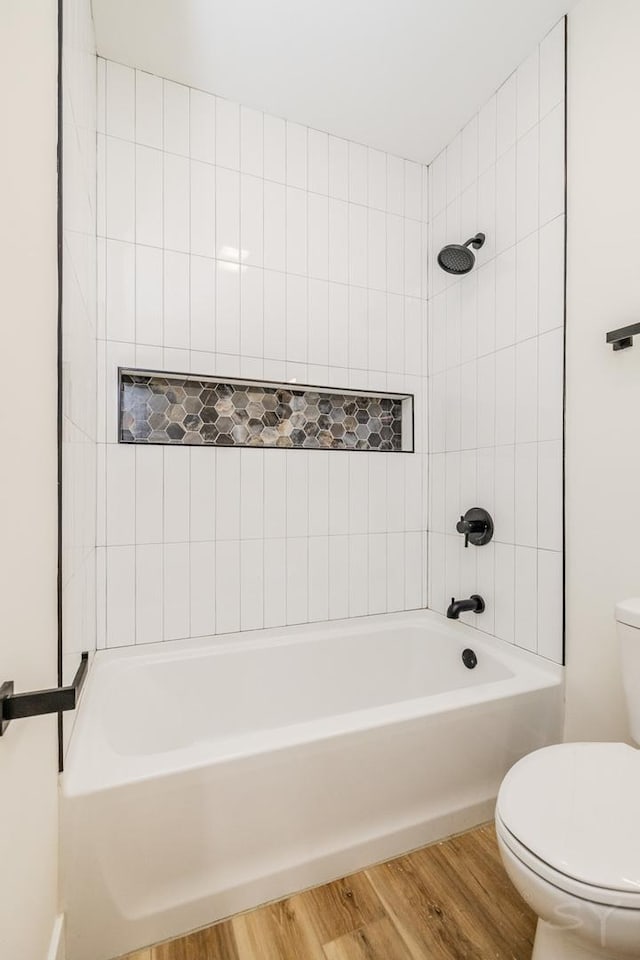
79,334
234,243
496,348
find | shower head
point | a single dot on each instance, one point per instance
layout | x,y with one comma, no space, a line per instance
457,258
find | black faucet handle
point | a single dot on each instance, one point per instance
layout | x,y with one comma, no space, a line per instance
477,527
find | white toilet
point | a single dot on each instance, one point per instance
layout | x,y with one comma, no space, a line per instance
568,825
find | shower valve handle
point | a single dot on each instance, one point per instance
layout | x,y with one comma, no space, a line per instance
477,527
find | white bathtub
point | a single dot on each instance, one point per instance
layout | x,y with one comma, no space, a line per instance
205,777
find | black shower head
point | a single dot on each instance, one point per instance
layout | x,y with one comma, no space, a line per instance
457,258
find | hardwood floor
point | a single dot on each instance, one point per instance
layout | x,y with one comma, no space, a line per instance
449,901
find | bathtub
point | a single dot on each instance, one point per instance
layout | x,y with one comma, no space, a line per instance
208,776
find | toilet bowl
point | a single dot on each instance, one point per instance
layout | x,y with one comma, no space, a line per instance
568,827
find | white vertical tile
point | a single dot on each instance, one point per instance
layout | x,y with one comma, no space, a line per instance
202,606
202,126
149,591
296,231
228,308
527,83
120,492
227,494
176,494
319,495
149,196
338,241
339,495
318,339
251,220
274,149
202,304
297,307
487,309
120,114
552,68
486,586
412,258
506,115
275,579
251,585
358,328
552,275
318,160
251,142
148,109
395,254
176,118
358,576
486,401
338,577
527,288
274,314
395,333
297,494
227,134
437,488
526,598
120,190
338,168
412,190
121,599
120,292
527,175
414,328
202,493
202,215
487,213
297,580
176,592
176,300
550,490
318,227
377,178
228,586
470,153
526,494
377,493
505,396
227,208
506,200
376,250
550,385
550,605
377,573
358,245
275,485
505,591
552,165
148,293
506,298
454,168
176,203
504,508
413,566
438,599
318,578
149,470
274,226
252,312
527,391
338,325
395,572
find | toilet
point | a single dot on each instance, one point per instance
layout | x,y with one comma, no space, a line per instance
568,827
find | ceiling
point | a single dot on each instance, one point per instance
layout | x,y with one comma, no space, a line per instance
401,75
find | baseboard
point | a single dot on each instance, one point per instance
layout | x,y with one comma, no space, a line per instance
56,949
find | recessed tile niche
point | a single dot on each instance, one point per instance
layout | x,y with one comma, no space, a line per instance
170,408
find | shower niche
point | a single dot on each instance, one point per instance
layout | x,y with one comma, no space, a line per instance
158,407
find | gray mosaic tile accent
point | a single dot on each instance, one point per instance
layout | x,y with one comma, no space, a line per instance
162,408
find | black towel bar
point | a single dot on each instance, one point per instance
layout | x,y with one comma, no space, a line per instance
623,338
15,706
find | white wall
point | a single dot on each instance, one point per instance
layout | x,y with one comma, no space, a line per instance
496,357
603,388
28,560
79,301
234,243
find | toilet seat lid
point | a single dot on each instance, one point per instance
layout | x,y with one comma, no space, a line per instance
576,806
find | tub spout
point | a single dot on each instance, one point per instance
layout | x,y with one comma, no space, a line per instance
475,604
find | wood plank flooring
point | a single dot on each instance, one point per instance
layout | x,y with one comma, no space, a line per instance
448,901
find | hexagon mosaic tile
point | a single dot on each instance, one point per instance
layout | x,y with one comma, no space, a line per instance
157,408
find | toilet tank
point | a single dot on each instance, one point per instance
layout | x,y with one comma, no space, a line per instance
628,617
